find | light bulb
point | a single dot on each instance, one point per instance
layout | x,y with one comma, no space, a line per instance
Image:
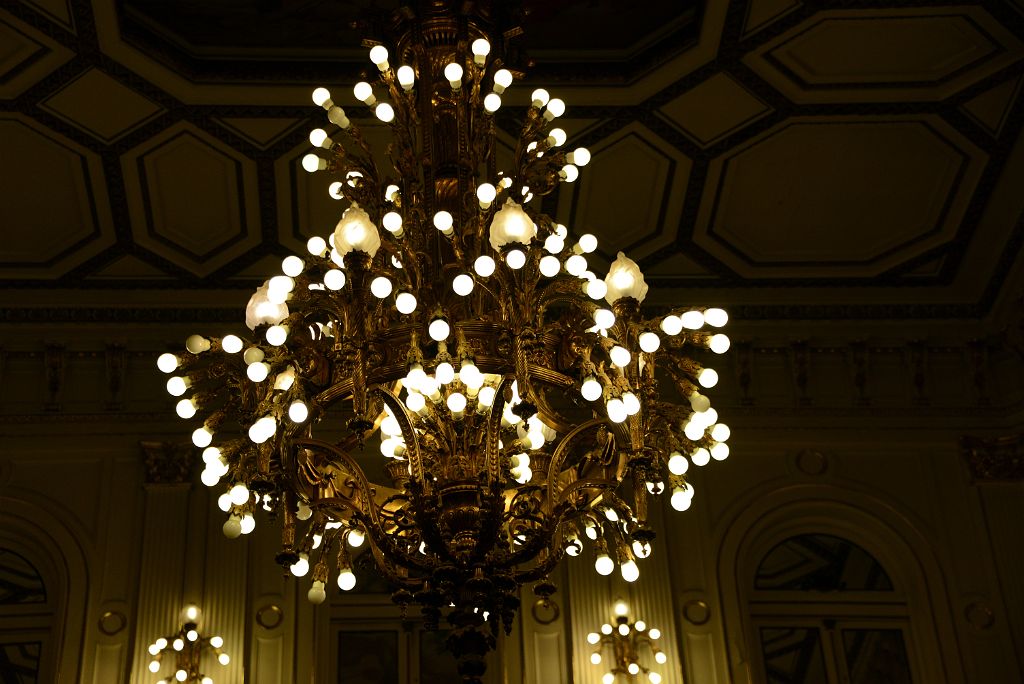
681,499
716,318
232,344
580,156
385,112
317,138
337,191
587,243
177,385
316,593
492,102
719,343
631,402
620,608
298,412
554,109
481,48
633,668
502,80
554,244
604,564
720,432
486,194
550,266
185,408
380,287
181,675
379,56
197,344
154,665
321,96
661,658
591,389
593,638
223,659
462,284
192,635
334,279
596,289
629,571
595,658
608,678
604,318
649,342
224,502
456,402
641,549
444,373
453,72
576,265
539,97
515,258
556,137
654,677
443,221
617,410
708,378
655,633
356,538
300,567
346,580
620,356
178,644
699,402
202,437
167,362
439,330
247,523
484,266
692,320
720,451
677,463
277,335
364,93
257,372
700,457
693,430
672,325
312,163
623,628
206,680
406,77
405,302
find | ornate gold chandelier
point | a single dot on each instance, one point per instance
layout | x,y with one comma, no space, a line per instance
522,404
186,647
626,640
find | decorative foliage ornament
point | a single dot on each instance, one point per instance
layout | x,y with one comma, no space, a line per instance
516,416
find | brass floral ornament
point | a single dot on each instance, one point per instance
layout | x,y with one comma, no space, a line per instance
515,397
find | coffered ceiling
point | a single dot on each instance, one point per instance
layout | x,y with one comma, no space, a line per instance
861,159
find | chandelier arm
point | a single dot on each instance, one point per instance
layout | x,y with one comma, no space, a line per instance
412,444
378,535
492,463
562,451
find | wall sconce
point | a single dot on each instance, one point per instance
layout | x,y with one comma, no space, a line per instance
625,641
186,646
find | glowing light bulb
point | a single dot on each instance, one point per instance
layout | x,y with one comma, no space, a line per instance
629,571
515,259
719,343
462,284
439,330
604,564
484,266
298,412
346,580
167,362
231,344
379,56
502,80
406,77
649,342
492,102
620,356
677,463
405,302
708,378
380,287
595,658
591,389
453,72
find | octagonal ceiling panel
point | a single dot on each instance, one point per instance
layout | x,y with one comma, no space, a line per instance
636,211
714,109
846,198
192,199
26,56
885,54
55,213
101,106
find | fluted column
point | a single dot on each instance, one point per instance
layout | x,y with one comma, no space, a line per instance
162,564
225,581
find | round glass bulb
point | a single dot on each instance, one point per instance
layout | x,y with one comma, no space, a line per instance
385,112
380,287
167,362
719,343
591,389
515,259
346,580
492,102
649,342
692,320
708,378
334,279
405,302
595,658
484,266
550,266
439,330
379,55
604,564
298,412
257,372
677,463
716,318
443,221
463,284
620,356
363,91
588,243
276,335
231,344
604,318
406,76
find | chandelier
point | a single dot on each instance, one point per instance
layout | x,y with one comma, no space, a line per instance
521,404
186,647
626,640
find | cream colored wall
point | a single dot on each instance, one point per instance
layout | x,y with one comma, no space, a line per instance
72,486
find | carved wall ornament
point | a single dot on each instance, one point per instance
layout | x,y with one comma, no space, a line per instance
810,462
997,459
270,616
168,464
